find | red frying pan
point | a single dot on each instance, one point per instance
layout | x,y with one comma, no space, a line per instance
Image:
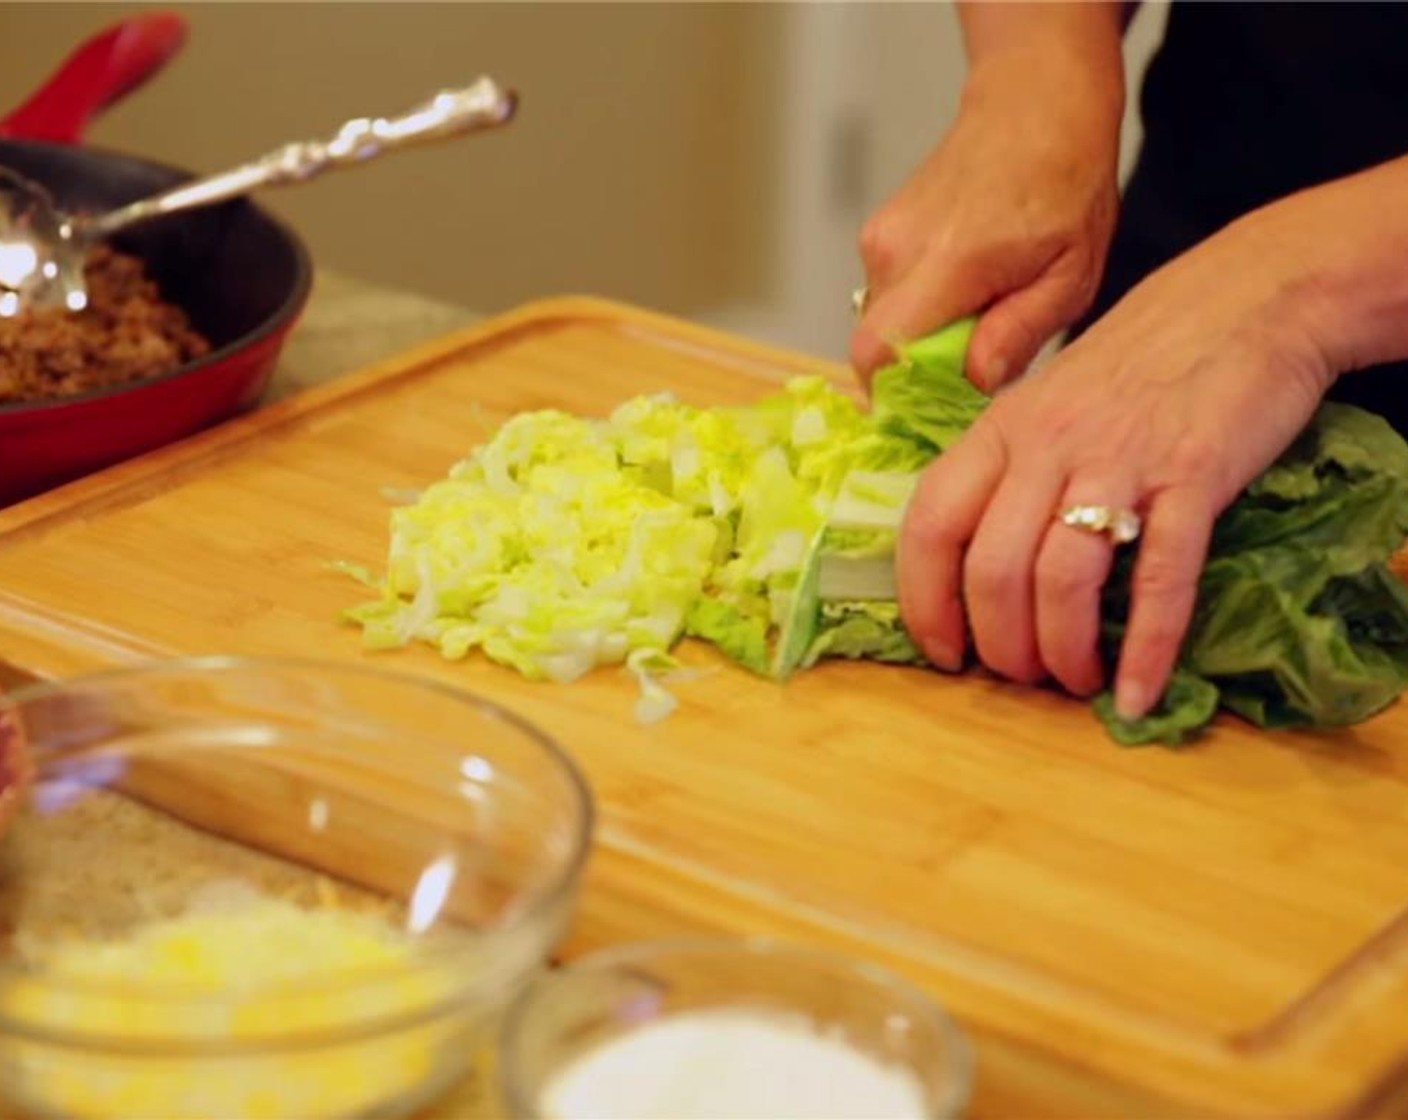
242,276
101,71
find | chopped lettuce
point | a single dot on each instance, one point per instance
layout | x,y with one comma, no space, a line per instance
539,550
741,635
651,667
566,543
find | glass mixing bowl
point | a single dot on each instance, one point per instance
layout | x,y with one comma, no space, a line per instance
730,1029
270,889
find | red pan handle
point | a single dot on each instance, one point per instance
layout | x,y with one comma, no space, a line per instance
102,70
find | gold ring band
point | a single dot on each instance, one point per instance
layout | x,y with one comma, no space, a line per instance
1121,525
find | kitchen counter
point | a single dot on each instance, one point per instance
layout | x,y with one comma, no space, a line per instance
351,323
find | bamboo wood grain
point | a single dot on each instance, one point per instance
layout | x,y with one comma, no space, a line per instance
1213,931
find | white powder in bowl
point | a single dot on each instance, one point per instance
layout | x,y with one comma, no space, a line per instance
722,1065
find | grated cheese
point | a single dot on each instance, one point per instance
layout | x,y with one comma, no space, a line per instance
235,959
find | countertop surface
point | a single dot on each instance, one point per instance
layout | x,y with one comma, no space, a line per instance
351,323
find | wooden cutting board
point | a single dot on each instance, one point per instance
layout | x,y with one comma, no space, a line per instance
1213,931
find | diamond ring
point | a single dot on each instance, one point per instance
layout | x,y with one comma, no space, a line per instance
1121,525
860,299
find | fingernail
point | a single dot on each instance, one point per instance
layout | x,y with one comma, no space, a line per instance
943,655
994,375
1131,700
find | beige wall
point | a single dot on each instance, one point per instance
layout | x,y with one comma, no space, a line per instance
636,168
699,158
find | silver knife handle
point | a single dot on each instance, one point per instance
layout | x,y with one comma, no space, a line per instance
483,105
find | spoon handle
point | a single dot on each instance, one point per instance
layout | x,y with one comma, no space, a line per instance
483,105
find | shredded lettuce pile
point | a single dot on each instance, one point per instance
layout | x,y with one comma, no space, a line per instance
565,543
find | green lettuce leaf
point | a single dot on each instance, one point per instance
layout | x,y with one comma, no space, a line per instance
861,629
740,635
924,398
1187,706
1298,620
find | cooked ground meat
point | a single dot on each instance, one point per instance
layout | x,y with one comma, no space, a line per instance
126,333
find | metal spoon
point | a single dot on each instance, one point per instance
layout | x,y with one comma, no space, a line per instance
42,248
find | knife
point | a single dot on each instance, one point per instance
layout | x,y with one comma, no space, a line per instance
851,558
867,511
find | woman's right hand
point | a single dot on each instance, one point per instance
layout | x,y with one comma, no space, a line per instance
1012,215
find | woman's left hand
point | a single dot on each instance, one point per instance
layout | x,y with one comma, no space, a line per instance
1169,406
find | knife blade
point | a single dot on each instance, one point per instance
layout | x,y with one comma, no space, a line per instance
868,508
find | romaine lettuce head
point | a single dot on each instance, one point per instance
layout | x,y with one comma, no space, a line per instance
1299,621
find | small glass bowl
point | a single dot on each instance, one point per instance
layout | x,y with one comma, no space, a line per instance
340,877
571,1013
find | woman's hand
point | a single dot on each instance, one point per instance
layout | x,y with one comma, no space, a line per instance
1012,215
1168,406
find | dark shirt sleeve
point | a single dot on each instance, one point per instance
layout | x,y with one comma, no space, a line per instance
1245,103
